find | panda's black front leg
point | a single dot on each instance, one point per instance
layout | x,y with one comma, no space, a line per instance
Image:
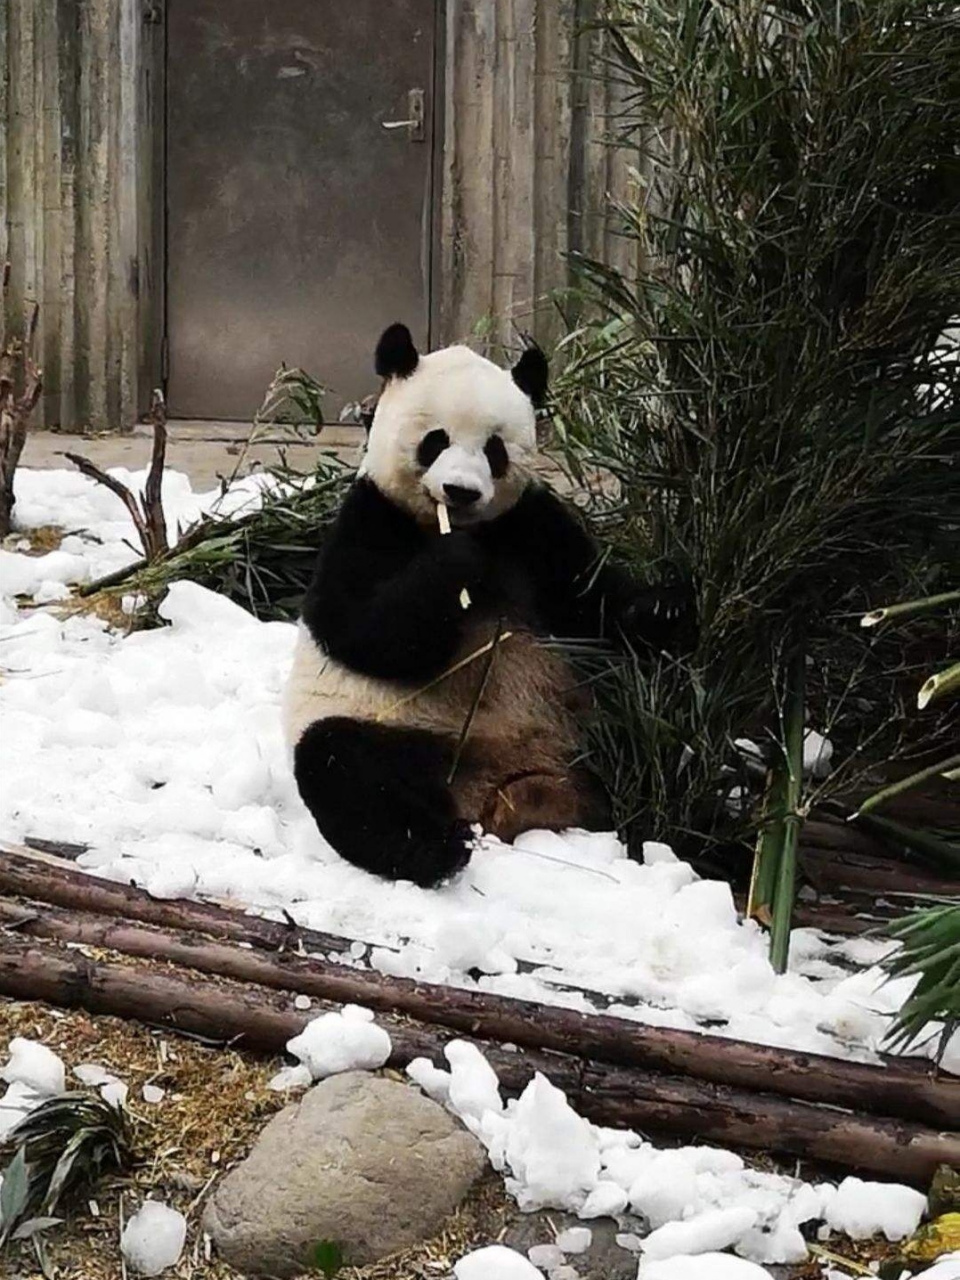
579,596
379,795
385,599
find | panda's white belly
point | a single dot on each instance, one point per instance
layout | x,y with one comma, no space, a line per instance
525,692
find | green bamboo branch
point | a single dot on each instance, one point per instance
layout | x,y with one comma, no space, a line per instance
939,683
785,888
944,853
763,879
942,768
908,608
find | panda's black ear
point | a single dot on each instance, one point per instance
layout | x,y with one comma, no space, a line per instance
530,374
396,355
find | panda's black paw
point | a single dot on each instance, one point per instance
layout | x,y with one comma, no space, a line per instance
462,557
429,863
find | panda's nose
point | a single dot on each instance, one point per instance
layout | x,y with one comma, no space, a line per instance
459,495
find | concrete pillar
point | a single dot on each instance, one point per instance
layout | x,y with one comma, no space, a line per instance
72,110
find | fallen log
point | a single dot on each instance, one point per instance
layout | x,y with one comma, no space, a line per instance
898,1090
258,1019
850,871
24,874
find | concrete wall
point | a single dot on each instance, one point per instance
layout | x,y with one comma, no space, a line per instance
79,109
527,166
525,173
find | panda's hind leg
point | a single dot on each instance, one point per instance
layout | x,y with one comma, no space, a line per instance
379,795
546,801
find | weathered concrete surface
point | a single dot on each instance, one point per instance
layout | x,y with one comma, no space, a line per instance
524,175
361,1160
80,148
204,451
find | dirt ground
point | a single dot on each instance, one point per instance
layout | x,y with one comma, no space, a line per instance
215,1103
205,451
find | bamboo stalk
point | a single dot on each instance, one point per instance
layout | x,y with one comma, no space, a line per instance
261,1020
785,889
938,684
905,784
900,1089
443,519
763,879
908,607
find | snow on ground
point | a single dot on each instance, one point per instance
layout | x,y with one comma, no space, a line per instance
695,1200
696,1203
153,1239
162,751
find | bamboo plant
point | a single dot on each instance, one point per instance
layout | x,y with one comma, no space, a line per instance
771,391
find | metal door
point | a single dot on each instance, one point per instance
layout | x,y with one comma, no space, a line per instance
299,209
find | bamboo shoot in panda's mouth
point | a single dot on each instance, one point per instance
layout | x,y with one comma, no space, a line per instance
443,519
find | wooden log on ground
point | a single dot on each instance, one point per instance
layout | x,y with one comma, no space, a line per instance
254,1018
24,874
850,871
897,1090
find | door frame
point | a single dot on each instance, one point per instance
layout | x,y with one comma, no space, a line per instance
434,285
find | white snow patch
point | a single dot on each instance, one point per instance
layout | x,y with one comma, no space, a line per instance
704,1266
298,1077
945,1268
94,1075
34,1065
696,1200
575,1240
496,1262
17,1102
346,1041
708,1232
863,1209
546,1256
153,1239
474,1088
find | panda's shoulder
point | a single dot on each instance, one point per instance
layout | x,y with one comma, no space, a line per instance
539,509
369,517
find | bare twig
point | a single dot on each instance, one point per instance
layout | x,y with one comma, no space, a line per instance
21,382
147,511
152,499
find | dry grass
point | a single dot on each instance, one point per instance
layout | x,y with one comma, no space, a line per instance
44,538
216,1102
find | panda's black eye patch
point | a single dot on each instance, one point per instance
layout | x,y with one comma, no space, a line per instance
430,448
496,452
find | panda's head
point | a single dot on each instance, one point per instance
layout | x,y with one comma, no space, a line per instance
452,427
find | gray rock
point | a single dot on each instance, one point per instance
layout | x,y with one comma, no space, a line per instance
360,1160
604,1260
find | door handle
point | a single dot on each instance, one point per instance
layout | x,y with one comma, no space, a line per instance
415,123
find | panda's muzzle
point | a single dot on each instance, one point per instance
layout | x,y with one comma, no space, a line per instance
459,496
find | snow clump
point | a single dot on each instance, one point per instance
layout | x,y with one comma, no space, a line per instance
346,1041
34,1065
153,1239
496,1262
697,1201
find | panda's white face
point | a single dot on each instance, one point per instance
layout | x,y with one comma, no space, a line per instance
456,430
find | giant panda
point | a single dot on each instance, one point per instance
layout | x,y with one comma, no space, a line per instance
422,701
